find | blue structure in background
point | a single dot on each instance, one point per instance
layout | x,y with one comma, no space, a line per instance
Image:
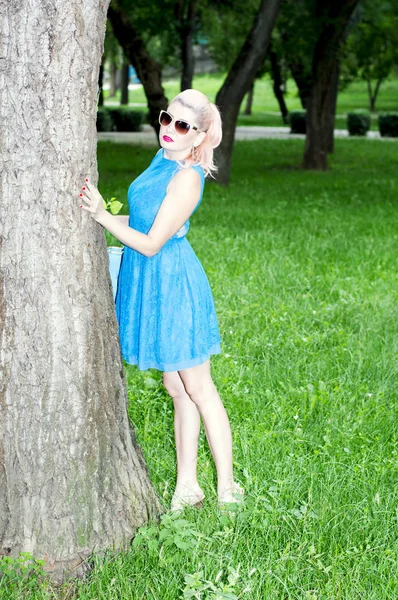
115,254
133,75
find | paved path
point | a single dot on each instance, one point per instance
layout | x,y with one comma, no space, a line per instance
147,136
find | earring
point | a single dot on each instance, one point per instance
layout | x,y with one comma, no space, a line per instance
194,153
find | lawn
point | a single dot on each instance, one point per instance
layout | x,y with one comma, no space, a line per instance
304,272
266,108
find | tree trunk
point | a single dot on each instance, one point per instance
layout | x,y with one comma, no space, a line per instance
186,30
249,100
72,476
332,103
373,95
321,101
124,92
239,80
100,84
112,78
302,79
278,84
148,70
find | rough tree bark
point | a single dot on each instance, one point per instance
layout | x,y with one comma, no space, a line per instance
321,103
72,476
239,80
185,15
148,70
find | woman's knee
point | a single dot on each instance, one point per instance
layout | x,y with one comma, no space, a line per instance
199,389
173,384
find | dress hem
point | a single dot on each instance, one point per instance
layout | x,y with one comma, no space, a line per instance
178,366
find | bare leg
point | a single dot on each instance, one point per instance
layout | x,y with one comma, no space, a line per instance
202,391
186,429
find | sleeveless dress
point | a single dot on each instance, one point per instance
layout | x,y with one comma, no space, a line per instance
164,304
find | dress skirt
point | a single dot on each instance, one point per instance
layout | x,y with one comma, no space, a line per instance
167,318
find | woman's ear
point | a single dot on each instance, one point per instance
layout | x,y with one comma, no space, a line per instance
201,136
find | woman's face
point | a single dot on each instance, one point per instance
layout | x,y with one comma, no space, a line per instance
177,145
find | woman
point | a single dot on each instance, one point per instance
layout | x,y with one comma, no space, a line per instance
164,303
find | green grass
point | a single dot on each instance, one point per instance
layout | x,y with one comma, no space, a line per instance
265,105
303,267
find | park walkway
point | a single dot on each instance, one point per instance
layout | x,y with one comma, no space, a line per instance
147,137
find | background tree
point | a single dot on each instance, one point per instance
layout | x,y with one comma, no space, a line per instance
225,25
113,57
124,81
296,30
148,70
72,476
372,46
333,17
185,21
239,79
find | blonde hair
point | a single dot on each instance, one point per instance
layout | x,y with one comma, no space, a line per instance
208,120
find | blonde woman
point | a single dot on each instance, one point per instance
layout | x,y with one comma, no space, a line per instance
164,304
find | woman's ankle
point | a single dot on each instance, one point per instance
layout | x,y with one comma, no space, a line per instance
225,485
187,483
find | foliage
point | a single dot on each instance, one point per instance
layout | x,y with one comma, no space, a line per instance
104,119
388,125
298,121
112,50
198,587
174,533
113,205
358,123
125,118
21,576
157,25
225,27
372,46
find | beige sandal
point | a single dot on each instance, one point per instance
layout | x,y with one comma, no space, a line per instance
186,496
233,495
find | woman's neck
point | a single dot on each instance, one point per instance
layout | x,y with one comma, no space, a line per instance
170,155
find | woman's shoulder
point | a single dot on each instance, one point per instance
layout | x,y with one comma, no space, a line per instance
191,169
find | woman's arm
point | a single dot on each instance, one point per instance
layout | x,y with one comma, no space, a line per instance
182,196
123,219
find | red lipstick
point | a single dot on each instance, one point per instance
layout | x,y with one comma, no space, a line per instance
167,138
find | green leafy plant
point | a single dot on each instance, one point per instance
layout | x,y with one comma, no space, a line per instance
22,573
113,205
223,587
173,532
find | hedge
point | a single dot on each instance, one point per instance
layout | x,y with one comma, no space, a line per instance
298,121
358,123
388,125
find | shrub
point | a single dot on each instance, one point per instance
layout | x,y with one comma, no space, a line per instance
104,119
358,123
126,119
298,121
388,125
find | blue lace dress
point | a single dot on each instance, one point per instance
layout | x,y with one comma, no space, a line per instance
164,304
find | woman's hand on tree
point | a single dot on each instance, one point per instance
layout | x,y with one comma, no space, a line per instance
94,202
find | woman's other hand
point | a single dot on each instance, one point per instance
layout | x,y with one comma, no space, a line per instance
93,201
